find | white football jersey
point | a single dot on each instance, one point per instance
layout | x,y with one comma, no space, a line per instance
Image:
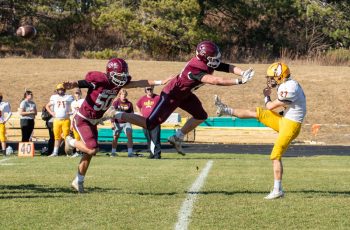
4,108
61,105
293,95
76,105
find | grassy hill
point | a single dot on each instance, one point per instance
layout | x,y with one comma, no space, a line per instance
326,88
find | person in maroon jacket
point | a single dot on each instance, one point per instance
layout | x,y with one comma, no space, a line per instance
145,105
102,89
118,125
179,92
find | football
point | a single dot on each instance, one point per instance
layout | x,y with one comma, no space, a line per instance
26,31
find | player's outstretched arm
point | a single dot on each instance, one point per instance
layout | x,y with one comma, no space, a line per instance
70,84
145,83
214,80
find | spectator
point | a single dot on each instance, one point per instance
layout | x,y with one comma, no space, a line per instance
5,108
78,101
61,104
118,125
145,106
27,111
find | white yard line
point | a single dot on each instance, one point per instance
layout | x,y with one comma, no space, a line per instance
4,160
187,206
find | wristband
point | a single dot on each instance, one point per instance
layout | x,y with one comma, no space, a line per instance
239,81
157,82
267,99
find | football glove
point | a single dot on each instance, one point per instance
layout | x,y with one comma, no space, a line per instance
247,75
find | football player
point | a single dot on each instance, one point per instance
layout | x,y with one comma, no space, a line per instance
102,89
61,104
291,97
5,108
179,92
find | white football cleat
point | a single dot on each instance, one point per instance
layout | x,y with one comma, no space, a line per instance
53,155
274,195
177,143
78,186
67,147
221,108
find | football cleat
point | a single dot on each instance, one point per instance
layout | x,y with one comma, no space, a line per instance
221,108
274,195
177,143
67,147
53,155
78,186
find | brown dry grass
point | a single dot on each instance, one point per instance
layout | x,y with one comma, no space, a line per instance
326,88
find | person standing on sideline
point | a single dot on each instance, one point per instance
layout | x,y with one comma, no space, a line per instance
61,104
5,108
118,125
179,92
144,106
76,104
27,110
102,89
290,97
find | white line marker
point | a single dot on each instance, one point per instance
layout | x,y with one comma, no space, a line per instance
186,208
3,160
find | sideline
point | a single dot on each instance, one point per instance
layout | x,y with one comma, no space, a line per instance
187,206
4,160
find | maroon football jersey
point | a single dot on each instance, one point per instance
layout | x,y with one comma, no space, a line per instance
189,79
147,104
124,106
99,98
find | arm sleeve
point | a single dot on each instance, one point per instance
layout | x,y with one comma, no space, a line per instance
223,67
85,84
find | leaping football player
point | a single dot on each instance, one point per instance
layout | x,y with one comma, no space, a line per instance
179,92
102,89
291,96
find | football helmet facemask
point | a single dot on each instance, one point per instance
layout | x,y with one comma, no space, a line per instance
117,71
209,53
277,73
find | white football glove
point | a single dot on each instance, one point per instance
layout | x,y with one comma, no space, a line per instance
247,75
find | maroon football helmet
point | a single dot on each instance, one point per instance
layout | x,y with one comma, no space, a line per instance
209,53
117,71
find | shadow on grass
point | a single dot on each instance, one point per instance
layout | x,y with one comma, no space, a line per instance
42,191
306,192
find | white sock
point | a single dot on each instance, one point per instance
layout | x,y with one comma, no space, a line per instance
80,177
180,134
114,150
130,150
55,150
72,142
277,186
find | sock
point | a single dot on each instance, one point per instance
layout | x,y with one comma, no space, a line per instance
277,186
180,134
72,142
114,150
130,150
55,150
80,177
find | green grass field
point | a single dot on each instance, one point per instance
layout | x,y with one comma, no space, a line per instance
124,193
